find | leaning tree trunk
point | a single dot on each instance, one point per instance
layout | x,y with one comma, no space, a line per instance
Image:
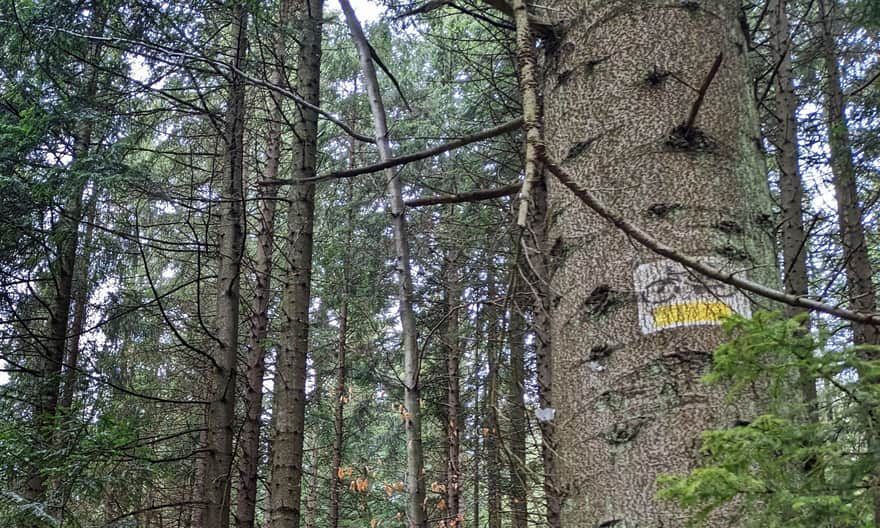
291,368
415,472
660,123
221,407
259,320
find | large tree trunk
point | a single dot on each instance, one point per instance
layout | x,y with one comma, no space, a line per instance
620,118
221,409
291,369
415,477
259,321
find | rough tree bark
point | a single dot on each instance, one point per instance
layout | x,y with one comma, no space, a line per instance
415,477
259,320
220,424
661,124
291,369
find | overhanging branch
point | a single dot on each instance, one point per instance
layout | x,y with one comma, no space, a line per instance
473,196
409,158
658,247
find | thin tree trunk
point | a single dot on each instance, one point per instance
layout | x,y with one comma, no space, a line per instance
516,411
857,264
221,409
259,321
791,189
539,274
417,517
80,311
492,440
311,513
339,404
291,366
452,295
477,438
341,350
849,213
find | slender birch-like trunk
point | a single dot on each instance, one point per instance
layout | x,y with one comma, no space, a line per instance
417,517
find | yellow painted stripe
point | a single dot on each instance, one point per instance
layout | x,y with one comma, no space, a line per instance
690,313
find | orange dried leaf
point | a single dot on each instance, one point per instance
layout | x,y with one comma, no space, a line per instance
441,505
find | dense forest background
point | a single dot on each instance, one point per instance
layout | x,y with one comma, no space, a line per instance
280,263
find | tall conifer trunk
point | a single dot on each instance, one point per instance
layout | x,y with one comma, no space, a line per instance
516,411
221,408
452,294
65,240
791,188
492,440
291,368
856,259
259,320
648,105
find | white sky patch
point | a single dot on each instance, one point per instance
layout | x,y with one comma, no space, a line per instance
366,11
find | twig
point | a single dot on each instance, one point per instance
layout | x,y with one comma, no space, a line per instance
701,95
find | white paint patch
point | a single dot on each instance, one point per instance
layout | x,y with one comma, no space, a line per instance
546,414
671,296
